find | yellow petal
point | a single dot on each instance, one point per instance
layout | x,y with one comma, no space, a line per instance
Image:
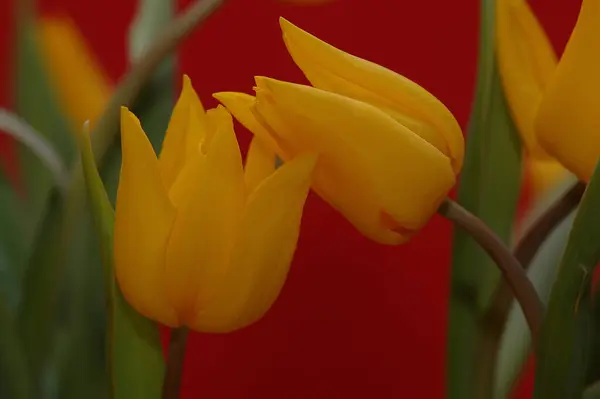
240,105
216,118
567,123
545,175
206,224
260,163
143,221
263,251
372,169
526,61
81,84
187,125
331,69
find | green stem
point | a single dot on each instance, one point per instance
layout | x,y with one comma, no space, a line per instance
175,359
510,267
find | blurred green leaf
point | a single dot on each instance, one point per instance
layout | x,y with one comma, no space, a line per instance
490,192
593,374
36,103
515,345
14,376
12,245
565,339
134,346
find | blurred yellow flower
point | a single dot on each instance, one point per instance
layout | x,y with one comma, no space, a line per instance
389,150
568,120
82,87
199,240
526,61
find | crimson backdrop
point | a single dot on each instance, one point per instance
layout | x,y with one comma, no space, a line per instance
355,319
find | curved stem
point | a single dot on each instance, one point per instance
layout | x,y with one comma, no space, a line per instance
175,358
510,267
525,251
494,319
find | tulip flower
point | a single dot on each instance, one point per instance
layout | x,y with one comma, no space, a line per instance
79,80
567,122
526,61
331,69
389,150
200,241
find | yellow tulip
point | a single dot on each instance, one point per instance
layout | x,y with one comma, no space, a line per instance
544,175
389,150
200,241
526,61
381,176
82,86
331,69
568,123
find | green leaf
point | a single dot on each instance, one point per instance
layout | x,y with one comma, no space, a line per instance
515,345
14,377
12,245
41,289
593,374
489,188
565,339
36,103
133,343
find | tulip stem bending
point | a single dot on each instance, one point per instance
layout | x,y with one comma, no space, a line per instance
494,319
510,267
175,358
525,251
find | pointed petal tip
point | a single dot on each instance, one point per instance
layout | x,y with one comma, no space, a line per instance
187,83
124,110
266,83
284,24
223,96
227,98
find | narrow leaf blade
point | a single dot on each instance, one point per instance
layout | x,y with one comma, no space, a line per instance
565,338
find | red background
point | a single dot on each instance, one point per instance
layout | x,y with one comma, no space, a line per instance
355,319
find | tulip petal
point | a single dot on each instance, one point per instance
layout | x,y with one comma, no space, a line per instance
526,61
216,117
263,252
143,222
81,83
180,133
260,163
205,227
372,169
331,69
240,105
567,123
